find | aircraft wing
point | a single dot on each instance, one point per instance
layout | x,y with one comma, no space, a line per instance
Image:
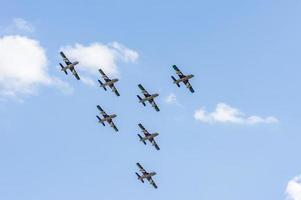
104,76
75,74
101,110
66,60
113,126
153,103
155,144
114,90
178,71
141,168
152,182
188,85
142,128
143,90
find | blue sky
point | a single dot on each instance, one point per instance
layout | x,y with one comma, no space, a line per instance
244,55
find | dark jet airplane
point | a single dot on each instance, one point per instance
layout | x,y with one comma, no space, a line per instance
146,175
69,65
183,78
148,136
148,97
106,118
108,82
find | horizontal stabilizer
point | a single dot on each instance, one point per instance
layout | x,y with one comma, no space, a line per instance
140,99
175,81
63,69
100,121
141,139
139,177
102,85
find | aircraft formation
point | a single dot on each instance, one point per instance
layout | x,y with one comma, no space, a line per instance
147,97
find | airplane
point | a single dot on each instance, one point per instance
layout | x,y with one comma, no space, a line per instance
108,82
146,175
183,78
148,97
148,136
107,118
69,65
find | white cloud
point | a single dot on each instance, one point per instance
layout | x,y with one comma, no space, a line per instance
23,66
293,189
171,99
98,55
224,113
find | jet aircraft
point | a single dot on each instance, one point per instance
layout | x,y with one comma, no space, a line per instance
183,78
148,97
146,175
106,118
69,65
148,136
108,82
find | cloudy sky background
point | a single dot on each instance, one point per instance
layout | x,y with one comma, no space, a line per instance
237,137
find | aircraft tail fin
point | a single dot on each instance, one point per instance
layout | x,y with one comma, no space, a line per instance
175,81
100,121
102,85
139,177
141,139
141,100
63,69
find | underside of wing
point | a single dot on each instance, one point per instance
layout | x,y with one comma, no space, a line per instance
140,167
63,55
75,74
115,90
101,110
66,60
142,127
188,85
143,89
154,143
103,74
113,126
152,182
153,103
117,93
178,71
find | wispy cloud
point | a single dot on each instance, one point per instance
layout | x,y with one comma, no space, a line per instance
19,25
23,25
171,99
24,67
88,81
293,189
224,113
97,55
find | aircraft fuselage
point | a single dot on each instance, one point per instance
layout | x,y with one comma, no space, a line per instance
148,175
111,82
151,136
151,97
70,66
109,118
185,78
